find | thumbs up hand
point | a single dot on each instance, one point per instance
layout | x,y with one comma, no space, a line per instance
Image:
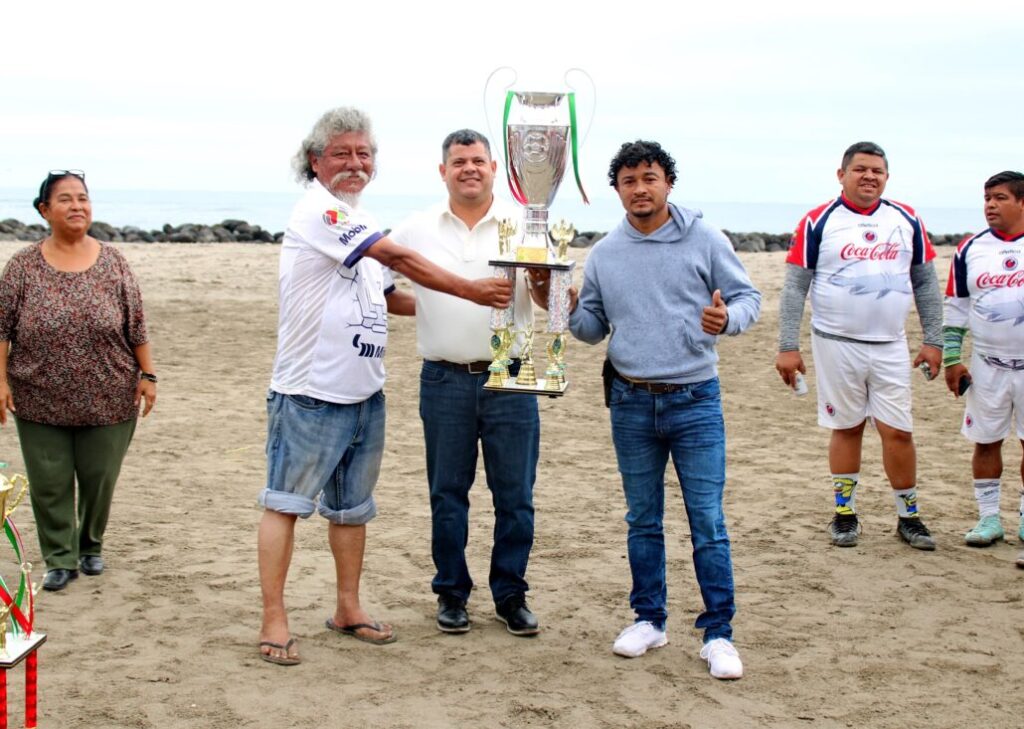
716,316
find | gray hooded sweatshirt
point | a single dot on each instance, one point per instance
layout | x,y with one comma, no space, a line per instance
649,292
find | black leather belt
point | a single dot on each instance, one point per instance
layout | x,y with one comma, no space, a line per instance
473,368
655,388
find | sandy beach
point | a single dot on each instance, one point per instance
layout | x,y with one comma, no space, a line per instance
875,636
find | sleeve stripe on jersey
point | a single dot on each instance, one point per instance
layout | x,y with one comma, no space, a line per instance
354,256
803,249
957,285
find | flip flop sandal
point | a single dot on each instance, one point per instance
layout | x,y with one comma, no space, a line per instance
353,629
286,659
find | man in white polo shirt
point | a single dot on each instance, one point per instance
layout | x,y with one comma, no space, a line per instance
325,408
461,235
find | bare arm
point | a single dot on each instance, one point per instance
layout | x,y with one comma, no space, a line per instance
6,400
401,303
485,291
145,388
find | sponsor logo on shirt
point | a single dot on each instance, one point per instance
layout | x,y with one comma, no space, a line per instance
877,252
999,280
1010,263
376,351
334,217
870,236
351,233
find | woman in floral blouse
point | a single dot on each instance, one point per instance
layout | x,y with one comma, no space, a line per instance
75,364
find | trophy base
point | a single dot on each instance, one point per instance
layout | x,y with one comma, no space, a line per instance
540,388
568,266
18,647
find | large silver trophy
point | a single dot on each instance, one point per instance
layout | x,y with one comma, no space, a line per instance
539,134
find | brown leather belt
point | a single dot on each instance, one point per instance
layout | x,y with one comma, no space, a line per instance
473,368
655,388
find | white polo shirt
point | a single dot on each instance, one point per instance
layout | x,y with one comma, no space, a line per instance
448,327
332,324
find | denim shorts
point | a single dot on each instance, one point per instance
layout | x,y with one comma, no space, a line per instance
317,448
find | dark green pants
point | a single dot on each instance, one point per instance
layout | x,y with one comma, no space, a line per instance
55,456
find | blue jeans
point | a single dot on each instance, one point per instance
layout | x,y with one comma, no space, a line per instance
646,429
317,448
457,412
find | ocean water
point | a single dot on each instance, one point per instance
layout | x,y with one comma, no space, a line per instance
151,209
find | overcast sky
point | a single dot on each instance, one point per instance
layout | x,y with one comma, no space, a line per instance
755,102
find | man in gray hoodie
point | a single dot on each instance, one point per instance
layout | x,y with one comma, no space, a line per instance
665,285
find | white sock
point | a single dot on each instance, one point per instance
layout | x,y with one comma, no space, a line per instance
986,493
906,502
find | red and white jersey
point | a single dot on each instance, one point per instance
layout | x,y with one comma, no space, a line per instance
861,261
985,293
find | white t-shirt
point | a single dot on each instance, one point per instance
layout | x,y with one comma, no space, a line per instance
448,327
985,292
332,325
861,260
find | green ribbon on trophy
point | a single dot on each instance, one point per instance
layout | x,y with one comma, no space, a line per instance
515,184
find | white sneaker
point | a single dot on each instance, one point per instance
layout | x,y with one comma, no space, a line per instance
638,638
723,659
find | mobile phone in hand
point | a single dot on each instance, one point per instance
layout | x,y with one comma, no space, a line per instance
963,385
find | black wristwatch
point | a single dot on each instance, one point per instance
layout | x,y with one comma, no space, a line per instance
149,376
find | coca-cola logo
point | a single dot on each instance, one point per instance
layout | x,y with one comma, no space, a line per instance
877,252
1000,280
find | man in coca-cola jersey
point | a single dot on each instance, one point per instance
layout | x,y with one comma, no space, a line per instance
985,294
863,257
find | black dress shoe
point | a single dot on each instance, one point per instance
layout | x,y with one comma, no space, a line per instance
58,579
91,564
517,617
451,614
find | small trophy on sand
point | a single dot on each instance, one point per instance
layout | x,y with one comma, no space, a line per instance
17,609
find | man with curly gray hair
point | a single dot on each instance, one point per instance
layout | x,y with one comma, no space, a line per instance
325,408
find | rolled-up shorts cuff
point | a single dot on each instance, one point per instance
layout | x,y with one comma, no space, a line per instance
284,502
360,514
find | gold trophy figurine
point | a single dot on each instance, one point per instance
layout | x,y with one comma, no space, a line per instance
527,374
506,229
498,373
555,373
563,233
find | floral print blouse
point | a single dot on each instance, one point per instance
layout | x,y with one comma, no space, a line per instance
72,335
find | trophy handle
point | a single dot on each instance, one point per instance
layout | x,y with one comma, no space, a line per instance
592,96
497,141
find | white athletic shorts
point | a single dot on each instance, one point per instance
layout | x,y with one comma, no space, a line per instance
995,395
859,380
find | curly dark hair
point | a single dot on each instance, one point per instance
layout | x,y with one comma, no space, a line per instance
1013,180
631,154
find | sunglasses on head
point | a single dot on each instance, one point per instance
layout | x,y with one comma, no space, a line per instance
58,174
